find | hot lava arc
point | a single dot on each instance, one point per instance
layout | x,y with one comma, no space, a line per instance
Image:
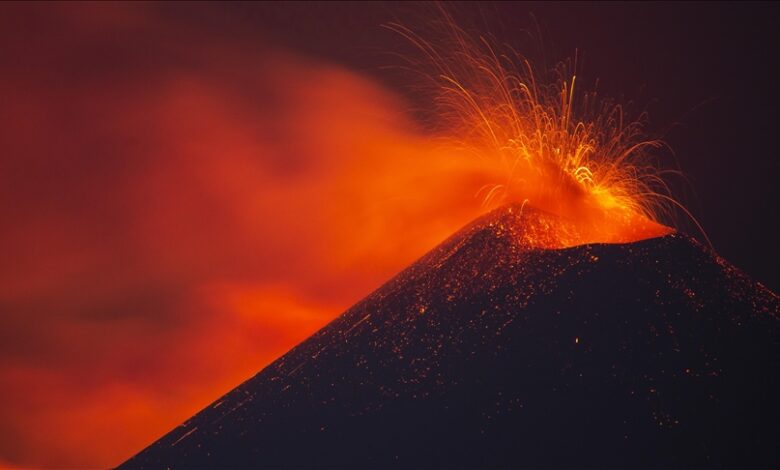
547,144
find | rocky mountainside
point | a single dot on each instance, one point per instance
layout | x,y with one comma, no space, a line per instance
488,352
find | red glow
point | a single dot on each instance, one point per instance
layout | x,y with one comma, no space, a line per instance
179,215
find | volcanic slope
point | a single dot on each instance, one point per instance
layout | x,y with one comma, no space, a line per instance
489,353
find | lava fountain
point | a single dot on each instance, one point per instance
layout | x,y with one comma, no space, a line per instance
545,143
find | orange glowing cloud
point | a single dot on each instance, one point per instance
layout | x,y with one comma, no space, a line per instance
176,217
178,211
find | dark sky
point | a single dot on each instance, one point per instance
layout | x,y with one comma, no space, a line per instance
704,72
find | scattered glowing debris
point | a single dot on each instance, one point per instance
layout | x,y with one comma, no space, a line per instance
539,140
185,435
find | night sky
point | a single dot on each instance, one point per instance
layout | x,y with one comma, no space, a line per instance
189,190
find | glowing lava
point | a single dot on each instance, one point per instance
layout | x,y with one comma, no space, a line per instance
570,154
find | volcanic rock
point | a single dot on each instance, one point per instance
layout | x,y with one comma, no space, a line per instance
489,352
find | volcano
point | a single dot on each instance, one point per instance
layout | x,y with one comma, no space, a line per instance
488,352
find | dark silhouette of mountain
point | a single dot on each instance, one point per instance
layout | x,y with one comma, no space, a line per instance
487,353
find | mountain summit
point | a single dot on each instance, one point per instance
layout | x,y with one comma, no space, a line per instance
491,352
